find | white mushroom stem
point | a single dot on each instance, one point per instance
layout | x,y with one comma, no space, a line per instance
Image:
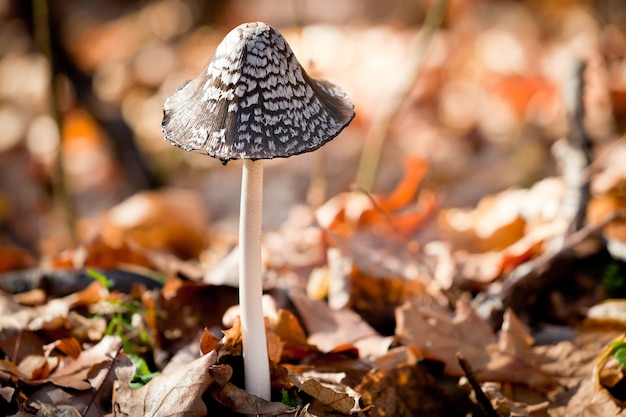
255,357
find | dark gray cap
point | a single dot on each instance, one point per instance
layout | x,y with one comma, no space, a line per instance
254,101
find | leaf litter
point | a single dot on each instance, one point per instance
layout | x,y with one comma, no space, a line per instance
470,251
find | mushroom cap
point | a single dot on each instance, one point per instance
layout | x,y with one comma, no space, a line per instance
254,101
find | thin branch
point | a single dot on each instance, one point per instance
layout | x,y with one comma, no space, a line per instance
42,35
482,400
379,130
573,157
572,154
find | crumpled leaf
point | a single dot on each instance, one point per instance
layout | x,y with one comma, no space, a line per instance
68,346
329,329
440,334
93,374
51,315
240,401
372,235
576,365
375,296
74,373
37,367
587,402
289,333
504,230
176,394
171,220
346,213
336,396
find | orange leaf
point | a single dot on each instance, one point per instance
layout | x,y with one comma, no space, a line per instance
208,342
347,212
406,190
68,346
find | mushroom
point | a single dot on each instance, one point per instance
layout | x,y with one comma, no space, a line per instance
254,101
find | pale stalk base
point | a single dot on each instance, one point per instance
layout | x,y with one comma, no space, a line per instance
255,357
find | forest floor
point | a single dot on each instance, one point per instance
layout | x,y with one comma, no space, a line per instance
459,249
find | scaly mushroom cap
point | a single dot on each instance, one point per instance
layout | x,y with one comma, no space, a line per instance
254,101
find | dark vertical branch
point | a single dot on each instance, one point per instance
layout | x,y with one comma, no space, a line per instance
42,36
572,154
137,174
481,398
379,129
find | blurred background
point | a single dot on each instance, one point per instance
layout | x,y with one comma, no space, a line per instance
474,88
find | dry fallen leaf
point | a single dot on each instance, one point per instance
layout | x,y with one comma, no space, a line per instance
329,329
336,396
171,220
74,373
439,334
92,374
176,394
373,265
389,216
68,346
240,401
292,338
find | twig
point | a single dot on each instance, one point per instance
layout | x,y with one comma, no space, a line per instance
379,130
41,25
573,157
572,154
482,400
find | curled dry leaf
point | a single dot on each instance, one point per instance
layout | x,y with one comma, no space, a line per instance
92,376
74,373
49,316
373,265
208,342
329,329
503,231
37,367
336,396
241,401
170,220
587,401
102,255
439,334
176,394
346,213
287,328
